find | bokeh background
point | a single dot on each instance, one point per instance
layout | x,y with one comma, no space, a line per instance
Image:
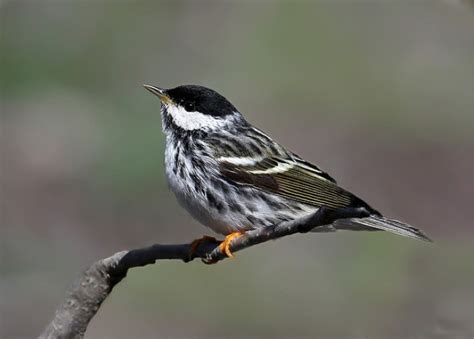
378,93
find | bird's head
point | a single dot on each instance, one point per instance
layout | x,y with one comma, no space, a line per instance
192,108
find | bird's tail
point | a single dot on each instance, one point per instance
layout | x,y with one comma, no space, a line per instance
375,222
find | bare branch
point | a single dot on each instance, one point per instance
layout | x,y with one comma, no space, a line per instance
85,296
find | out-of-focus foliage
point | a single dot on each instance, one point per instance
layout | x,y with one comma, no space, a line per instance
380,94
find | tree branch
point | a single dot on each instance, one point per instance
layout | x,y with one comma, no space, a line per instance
87,293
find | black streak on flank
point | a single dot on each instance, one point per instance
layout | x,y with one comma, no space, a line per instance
199,146
251,207
296,207
197,163
253,220
181,169
282,217
271,202
196,181
186,142
213,202
235,207
219,184
176,161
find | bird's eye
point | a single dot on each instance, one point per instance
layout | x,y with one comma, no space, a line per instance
189,106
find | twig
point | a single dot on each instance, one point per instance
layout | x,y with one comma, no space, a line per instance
85,296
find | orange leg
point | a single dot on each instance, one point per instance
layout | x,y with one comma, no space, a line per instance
224,246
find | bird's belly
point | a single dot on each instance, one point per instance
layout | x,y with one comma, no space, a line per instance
254,211
225,207
196,204
202,213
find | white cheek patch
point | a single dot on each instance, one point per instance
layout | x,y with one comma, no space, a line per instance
193,120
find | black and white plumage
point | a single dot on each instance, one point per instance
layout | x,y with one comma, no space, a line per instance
233,177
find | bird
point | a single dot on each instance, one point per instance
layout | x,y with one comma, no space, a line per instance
232,177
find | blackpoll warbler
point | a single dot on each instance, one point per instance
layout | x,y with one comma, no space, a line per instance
232,177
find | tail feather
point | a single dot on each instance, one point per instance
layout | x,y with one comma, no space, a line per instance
375,222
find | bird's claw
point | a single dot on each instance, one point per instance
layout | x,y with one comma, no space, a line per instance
197,242
225,245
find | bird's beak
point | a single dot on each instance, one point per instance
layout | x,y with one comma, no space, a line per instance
160,92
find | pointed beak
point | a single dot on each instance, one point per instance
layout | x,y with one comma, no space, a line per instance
160,92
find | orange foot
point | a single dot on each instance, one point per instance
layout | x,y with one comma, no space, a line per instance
224,246
195,244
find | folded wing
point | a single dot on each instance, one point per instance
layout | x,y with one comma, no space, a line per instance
292,178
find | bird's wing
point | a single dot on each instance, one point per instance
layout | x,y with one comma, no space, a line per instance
312,168
291,178
252,158
284,173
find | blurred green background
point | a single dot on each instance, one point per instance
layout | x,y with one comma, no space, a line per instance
378,93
